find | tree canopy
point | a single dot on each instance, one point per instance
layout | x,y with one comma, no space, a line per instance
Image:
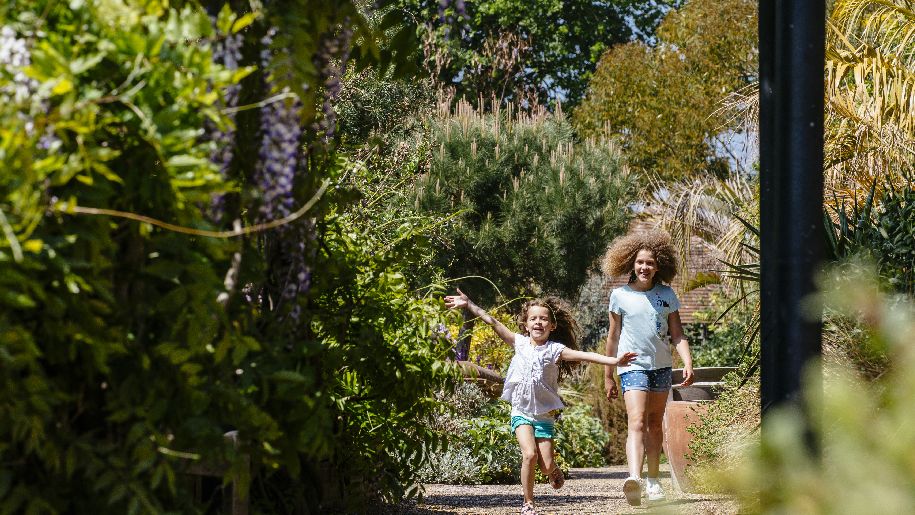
662,101
534,208
542,50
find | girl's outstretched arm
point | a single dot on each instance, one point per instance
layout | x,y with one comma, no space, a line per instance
675,327
462,301
613,342
593,357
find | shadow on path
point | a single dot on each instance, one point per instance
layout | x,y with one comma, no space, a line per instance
605,474
671,506
480,500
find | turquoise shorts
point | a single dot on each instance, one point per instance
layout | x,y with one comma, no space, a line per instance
542,428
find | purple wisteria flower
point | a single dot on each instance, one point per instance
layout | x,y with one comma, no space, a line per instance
330,60
23,91
227,52
280,157
279,150
441,331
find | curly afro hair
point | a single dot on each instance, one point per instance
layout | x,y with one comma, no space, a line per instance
620,257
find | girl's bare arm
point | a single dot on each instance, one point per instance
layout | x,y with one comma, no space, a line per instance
462,301
676,336
613,341
593,357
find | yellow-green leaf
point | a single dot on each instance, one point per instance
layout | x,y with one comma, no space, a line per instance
63,86
243,22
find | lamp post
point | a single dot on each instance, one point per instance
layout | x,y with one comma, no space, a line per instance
792,41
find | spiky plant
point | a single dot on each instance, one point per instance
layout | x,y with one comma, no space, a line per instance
870,87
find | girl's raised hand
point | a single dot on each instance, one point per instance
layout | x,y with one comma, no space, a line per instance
627,358
457,301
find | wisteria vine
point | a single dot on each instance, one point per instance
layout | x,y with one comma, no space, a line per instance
330,60
20,89
280,155
226,52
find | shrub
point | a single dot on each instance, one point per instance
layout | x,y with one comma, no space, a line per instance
586,387
883,230
487,348
482,449
109,328
524,203
864,429
480,445
723,346
126,349
581,438
727,428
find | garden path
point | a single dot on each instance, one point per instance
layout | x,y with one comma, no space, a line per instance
586,491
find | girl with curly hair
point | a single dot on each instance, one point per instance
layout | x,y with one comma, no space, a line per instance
642,315
549,334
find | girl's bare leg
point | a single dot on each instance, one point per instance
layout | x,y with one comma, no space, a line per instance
654,432
636,404
529,453
545,456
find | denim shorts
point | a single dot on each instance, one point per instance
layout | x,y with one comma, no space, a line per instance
542,428
657,380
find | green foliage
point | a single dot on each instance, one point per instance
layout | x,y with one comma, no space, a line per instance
504,47
581,438
729,426
481,447
722,347
306,27
662,101
379,358
109,328
487,348
525,205
121,359
884,229
379,111
729,322
864,429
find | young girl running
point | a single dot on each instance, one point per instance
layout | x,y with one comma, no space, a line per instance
550,334
641,315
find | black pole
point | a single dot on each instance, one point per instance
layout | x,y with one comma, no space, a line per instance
792,41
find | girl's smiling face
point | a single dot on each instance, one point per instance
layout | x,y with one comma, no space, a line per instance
538,323
644,268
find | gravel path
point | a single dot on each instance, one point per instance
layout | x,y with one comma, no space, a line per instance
597,490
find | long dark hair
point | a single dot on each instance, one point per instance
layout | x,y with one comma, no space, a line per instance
567,329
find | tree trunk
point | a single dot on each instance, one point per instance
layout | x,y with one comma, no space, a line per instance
462,348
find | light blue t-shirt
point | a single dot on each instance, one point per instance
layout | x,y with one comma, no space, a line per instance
644,319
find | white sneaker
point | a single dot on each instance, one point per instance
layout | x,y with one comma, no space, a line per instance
632,489
653,490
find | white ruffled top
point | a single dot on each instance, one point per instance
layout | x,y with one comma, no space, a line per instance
532,382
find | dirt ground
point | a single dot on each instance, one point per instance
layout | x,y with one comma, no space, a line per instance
586,491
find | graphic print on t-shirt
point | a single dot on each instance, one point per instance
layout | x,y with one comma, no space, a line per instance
643,315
